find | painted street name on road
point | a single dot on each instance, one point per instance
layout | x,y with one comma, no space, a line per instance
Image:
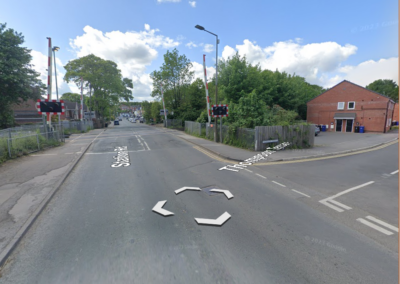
255,159
122,158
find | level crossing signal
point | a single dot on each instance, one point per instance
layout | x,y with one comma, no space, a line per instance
219,110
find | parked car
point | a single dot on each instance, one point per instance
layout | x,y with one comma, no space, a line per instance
317,131
120,119
116,122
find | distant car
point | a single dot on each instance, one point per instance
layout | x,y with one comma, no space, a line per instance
116,122
120,119
317,131
141,120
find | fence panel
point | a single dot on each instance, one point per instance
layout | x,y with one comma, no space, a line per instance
301,136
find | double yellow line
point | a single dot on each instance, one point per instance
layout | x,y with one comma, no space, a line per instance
215,157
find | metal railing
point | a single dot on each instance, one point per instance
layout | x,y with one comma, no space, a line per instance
23,144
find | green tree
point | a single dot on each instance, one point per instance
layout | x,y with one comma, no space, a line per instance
237,78
71,97
385,87
175,76
18,81
104,78
155,111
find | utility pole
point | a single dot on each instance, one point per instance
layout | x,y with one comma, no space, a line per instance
49,75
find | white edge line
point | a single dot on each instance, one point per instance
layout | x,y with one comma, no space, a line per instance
331,206
301,193
395,172
339,204
279,183
383,223
382,230
261,176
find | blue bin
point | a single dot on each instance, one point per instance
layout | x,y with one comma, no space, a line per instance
361,129
323,128
397,123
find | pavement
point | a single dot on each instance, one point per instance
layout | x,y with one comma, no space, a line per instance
99,226
29,182
325,144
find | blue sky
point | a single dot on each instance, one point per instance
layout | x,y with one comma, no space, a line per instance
325,42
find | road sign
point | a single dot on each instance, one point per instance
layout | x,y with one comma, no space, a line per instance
220,110
162,112
50,106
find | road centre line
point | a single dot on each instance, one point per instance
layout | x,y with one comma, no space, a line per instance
383,223
260,176
372,225
248,170
301,193
395,172
148,148
279,183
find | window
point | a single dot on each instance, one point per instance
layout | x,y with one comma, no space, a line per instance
340,105
351,105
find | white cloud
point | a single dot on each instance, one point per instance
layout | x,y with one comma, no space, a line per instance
369,71
191,44
192,3
132,51
208,48
199,71
317,62
40,65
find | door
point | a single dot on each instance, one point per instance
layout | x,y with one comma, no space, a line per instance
349,125
339,125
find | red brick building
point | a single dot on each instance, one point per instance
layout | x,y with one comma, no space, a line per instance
347,105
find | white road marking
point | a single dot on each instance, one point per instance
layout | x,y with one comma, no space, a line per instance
216,222
383,223
158,208
331,206
187,188
300,193
279,183
351,189
325,201
227,193
395,172
339,204
380,229
248,170
45,155
98,153
260,176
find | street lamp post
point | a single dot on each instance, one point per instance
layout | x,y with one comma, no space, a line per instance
54,49
216,82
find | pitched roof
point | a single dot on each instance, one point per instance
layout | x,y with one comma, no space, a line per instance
354,85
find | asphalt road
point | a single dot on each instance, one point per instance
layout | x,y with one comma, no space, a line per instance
100,228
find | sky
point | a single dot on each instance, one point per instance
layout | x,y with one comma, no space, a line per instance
323,41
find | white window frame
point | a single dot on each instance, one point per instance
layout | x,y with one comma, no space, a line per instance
339,104
348,104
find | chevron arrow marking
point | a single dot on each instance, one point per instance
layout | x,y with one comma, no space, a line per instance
214,222
158,209
186,188
227,193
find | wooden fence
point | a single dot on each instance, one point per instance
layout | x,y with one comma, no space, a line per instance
301,136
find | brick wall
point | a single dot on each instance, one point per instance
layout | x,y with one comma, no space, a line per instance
396,112
371,108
